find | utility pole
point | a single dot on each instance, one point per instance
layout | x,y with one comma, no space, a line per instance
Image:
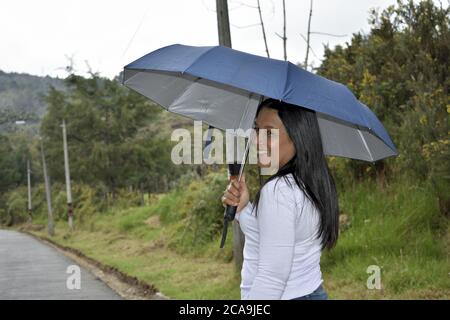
50,225
223,25
30,210
66,168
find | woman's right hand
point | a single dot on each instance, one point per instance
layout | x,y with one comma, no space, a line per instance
236,194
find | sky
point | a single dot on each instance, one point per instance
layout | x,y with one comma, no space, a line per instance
39,37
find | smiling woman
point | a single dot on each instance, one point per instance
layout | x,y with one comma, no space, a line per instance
295,214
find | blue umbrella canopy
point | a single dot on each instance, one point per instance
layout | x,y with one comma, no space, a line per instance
223,87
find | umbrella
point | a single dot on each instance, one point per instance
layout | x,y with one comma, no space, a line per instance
223,87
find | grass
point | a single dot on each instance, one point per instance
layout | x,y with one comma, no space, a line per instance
397,227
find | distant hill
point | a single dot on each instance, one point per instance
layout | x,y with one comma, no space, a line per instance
22,98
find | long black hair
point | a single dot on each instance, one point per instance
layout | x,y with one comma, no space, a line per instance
309,166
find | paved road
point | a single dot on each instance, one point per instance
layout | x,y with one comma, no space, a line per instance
30,269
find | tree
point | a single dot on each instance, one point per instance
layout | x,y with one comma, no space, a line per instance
9,171
105,125
401,71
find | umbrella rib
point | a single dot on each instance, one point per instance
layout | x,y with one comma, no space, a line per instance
244,114
198,58
184,91
286,81
365,144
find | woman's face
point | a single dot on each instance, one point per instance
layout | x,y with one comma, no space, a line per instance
277,140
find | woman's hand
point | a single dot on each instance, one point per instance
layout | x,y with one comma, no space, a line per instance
236,194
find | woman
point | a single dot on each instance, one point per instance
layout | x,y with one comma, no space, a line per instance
295,215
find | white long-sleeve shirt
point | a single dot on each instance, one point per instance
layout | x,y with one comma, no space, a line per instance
282,250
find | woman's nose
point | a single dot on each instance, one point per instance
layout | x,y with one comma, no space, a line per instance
261,141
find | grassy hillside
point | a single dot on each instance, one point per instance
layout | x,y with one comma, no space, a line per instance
397,227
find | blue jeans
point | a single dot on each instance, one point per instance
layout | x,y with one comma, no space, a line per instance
318,294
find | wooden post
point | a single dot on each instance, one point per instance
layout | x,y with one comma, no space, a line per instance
30,210
67,172
223,24
50,225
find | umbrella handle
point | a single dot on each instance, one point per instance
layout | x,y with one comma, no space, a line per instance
230,213
235,172
234,169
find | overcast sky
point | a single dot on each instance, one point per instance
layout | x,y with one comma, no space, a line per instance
36,36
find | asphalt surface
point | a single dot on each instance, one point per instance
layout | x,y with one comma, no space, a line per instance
31,270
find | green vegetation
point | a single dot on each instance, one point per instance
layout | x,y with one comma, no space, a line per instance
401,70
398,227
111,136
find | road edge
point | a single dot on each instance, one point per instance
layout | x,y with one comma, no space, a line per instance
126,286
